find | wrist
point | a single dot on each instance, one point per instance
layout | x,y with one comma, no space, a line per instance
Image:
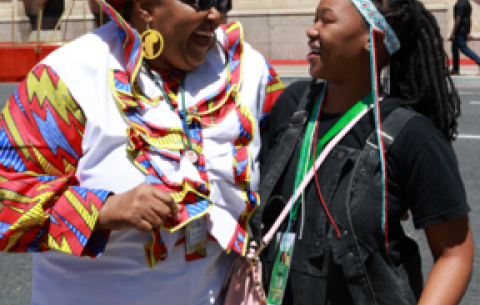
103,214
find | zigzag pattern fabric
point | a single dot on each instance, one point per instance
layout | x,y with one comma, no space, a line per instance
42,206
147,139
274,89
131,41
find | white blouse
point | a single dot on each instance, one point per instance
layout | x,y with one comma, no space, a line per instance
121,275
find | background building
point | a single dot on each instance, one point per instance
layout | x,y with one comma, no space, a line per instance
274,27
277,27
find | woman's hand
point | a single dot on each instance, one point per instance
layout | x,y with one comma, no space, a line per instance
143,208
451,244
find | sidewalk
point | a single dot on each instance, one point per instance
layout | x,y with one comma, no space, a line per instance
468,70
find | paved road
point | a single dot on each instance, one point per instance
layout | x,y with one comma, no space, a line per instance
15,270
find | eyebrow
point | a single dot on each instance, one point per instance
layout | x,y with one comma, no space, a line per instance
323,10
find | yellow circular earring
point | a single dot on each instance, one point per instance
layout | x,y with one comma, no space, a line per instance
149,39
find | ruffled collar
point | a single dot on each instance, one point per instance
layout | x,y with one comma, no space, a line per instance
153,140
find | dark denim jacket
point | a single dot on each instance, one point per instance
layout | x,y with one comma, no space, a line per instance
357,262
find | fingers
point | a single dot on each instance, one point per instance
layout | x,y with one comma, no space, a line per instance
143,208
167,200
144,226
154,219
164,211
163,196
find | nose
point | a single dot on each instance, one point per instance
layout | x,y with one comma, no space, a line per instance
312,32
215,16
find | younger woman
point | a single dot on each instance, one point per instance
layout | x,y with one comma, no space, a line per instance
349,244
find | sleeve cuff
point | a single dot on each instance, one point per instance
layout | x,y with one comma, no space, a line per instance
443,217
73,221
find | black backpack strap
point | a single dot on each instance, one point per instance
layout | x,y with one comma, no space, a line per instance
369,158
367,165
390,128
282,155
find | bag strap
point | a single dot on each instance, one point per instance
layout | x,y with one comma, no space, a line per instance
323,155
392,125
282,155
362,175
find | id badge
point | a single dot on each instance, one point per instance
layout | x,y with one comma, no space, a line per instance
196,235
281,268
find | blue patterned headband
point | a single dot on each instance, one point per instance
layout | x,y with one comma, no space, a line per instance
376,20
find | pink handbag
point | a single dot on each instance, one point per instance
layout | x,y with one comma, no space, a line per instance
243,283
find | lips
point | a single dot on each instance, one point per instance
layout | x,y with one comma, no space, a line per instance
314,53
314,46
315,49
203,38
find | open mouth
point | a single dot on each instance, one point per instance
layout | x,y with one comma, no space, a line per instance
203,39
314,53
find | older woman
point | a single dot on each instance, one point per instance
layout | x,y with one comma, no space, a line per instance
145,156
390,153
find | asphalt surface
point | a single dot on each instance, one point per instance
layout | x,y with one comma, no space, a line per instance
16,269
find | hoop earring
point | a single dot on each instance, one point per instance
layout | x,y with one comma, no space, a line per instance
149,38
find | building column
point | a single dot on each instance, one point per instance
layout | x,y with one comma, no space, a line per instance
277,29
78,19
14,23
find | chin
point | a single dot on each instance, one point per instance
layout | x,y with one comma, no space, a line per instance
316,73
195,60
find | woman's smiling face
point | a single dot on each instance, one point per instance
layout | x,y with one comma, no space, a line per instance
337,41
187,32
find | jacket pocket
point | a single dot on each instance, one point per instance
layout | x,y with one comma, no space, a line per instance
389,282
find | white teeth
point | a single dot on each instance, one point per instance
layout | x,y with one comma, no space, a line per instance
314,51
204,34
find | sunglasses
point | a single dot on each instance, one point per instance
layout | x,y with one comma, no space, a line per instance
222,6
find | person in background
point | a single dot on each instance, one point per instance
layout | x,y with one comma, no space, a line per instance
131,153
462,15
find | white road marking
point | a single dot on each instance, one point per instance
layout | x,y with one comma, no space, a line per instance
475,102
469,136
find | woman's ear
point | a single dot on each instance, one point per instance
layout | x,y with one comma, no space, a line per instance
380,49
367,45
379,36
143,9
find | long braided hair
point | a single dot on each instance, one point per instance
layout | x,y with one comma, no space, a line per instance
419,70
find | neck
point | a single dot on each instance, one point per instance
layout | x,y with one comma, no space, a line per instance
159,64
340,97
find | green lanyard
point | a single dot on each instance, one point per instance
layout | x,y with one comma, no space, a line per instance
282,263
305,162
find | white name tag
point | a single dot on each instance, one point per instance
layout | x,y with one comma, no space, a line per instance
196,235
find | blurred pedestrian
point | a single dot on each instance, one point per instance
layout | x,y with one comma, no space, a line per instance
462,14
